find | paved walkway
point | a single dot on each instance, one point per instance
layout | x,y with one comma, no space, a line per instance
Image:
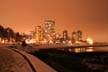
11,61
38,65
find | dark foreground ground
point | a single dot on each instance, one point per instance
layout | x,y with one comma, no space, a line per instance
11,61
64,61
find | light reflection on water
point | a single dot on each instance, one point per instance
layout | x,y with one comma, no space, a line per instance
78,50
89,49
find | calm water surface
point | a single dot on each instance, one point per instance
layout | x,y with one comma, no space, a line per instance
90,49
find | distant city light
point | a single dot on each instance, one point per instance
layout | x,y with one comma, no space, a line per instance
70,42
44,41
77,42
30,41
89,40
45,34
2,41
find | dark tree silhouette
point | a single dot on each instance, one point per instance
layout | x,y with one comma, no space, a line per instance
18,37
9,33
2,31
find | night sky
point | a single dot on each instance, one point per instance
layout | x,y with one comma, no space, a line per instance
90,16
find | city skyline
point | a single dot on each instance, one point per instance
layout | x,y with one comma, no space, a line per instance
89,16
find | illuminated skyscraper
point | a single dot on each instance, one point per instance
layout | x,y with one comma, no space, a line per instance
49,26
38,33
74,36
31,33
49,29
65,35
77,36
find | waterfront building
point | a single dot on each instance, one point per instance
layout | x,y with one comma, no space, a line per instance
38,34
76,36
49,30
65,36
79,35
32,34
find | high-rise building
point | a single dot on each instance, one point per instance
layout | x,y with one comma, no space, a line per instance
31,33
77,36
65,35
49,29
74,36
49,26
38,34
